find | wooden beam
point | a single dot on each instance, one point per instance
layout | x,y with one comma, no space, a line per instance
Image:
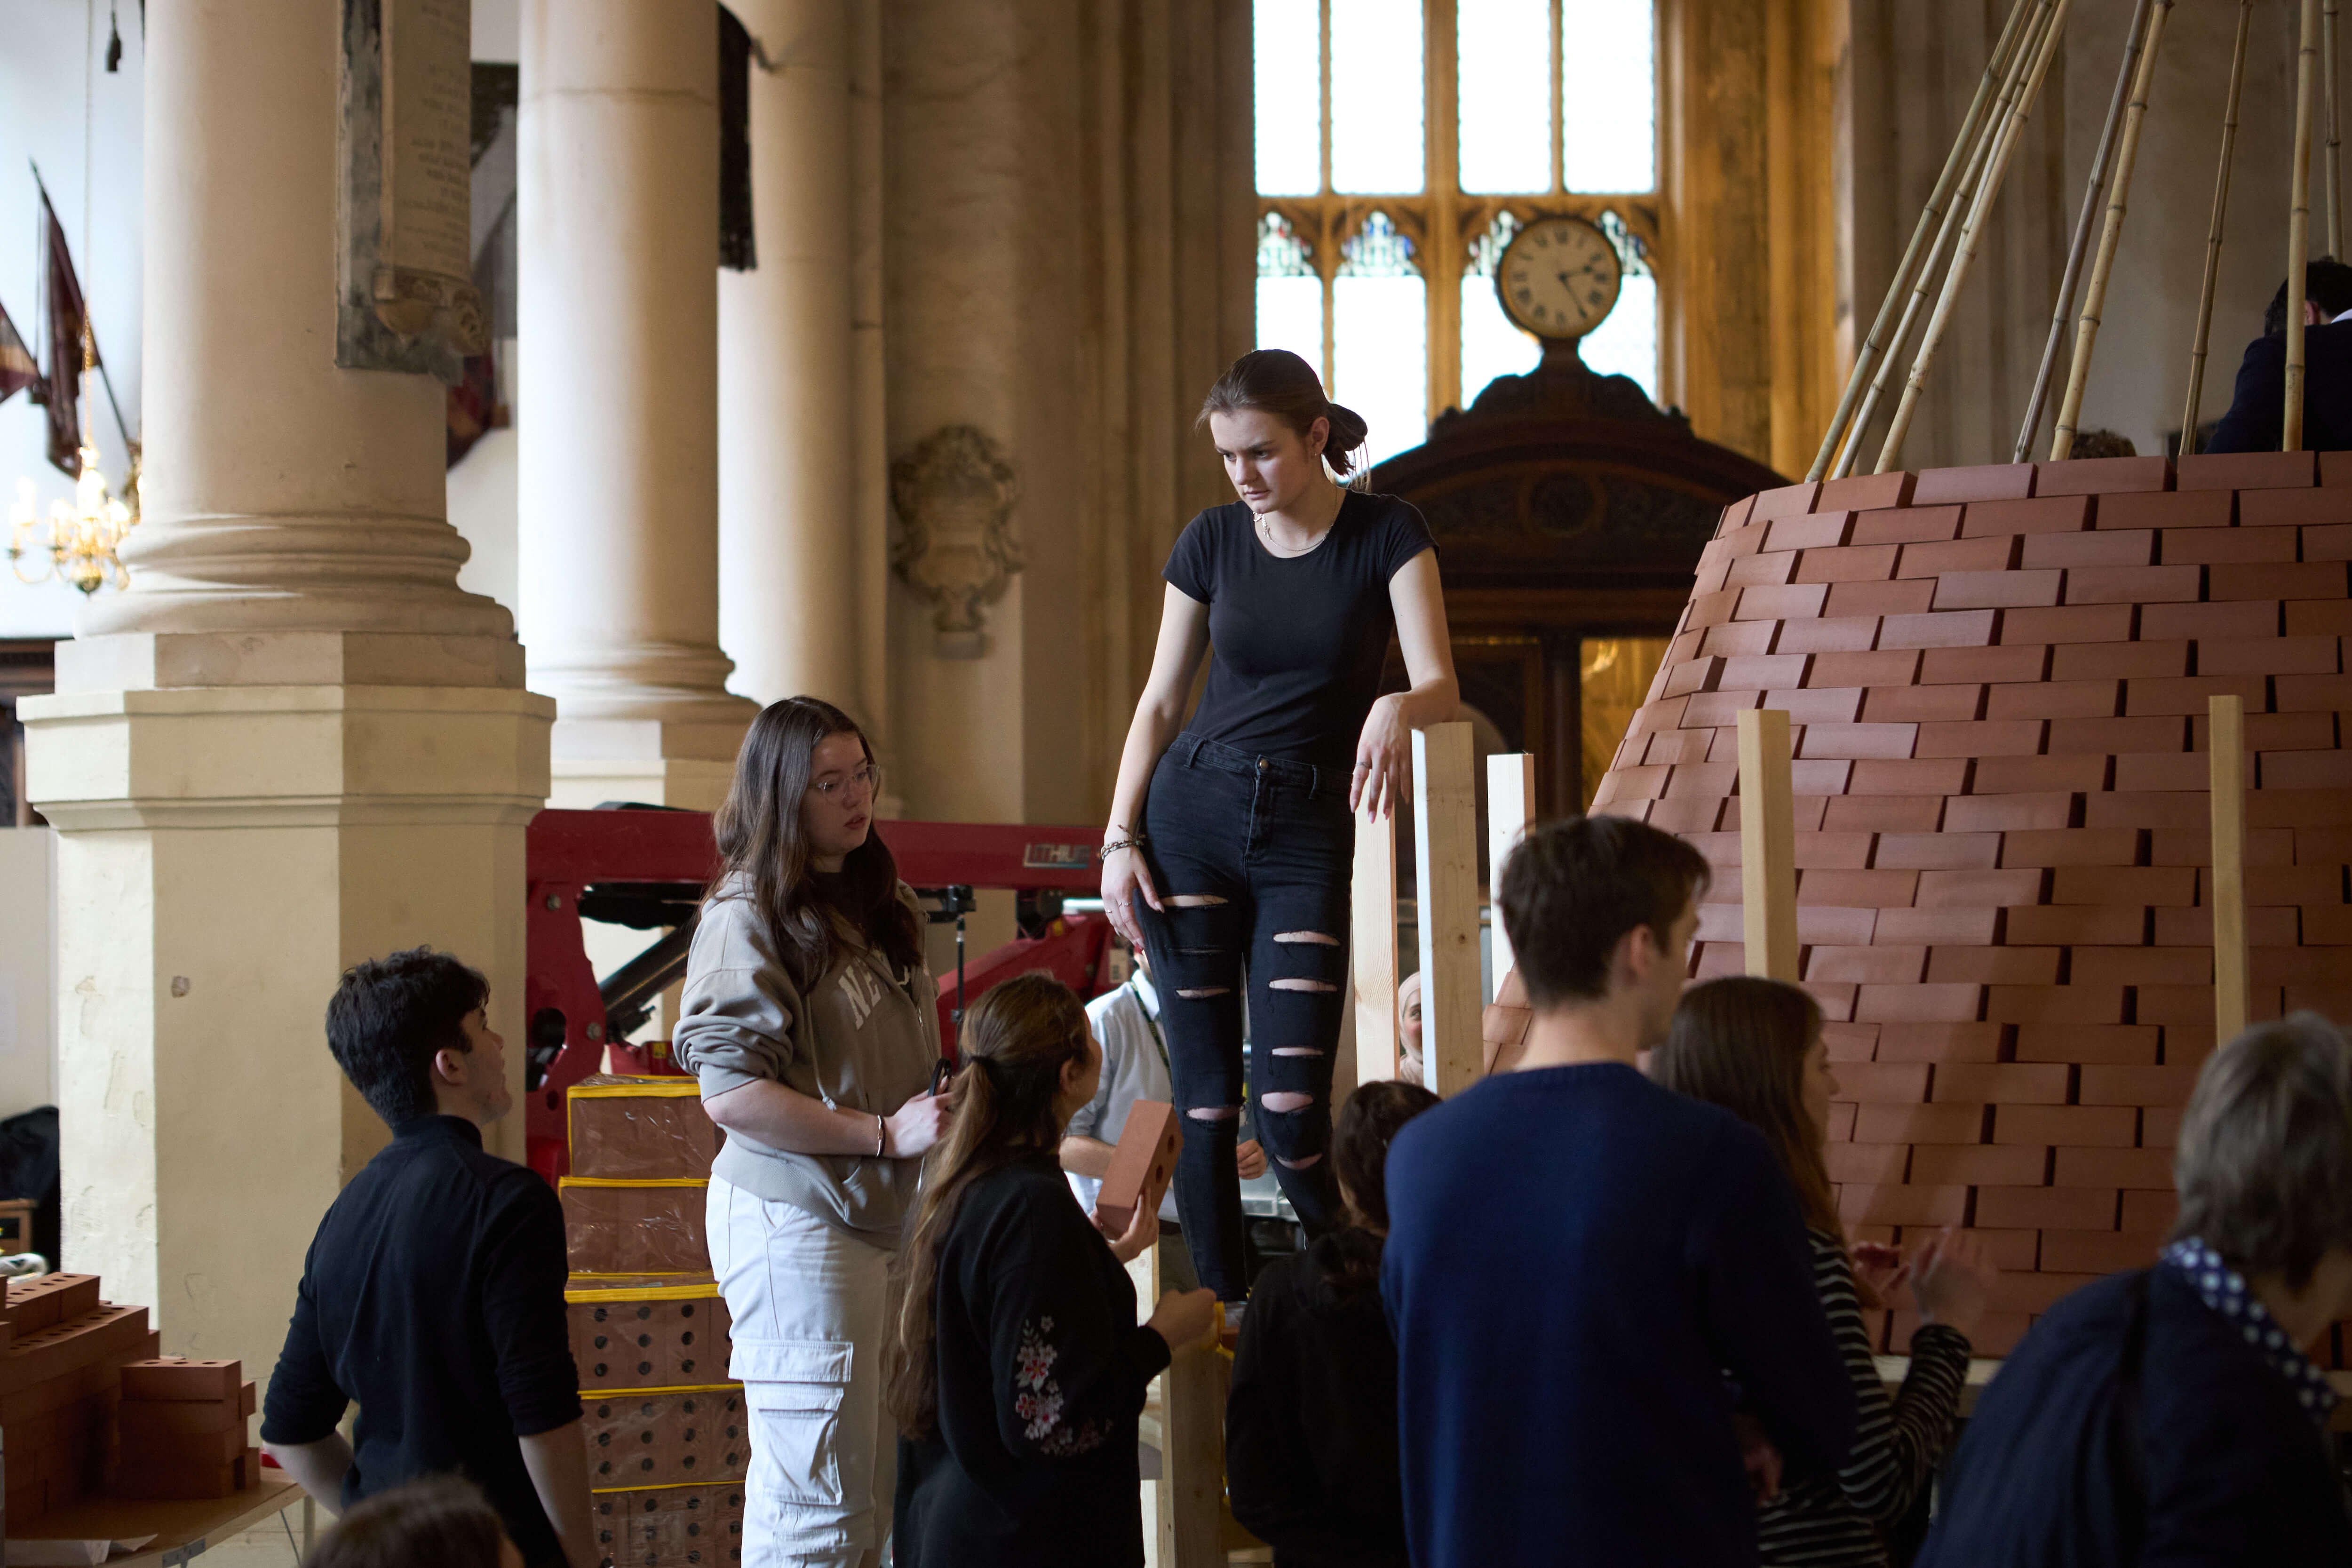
1510,802
1767,846
1446,846
1192,1459
1374,964
2227,739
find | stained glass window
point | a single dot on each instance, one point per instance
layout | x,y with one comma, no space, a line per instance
1289,295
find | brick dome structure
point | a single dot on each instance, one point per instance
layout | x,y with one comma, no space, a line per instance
1997,682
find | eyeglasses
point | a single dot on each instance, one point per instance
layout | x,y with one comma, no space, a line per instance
867,778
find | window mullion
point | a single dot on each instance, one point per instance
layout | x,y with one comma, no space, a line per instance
1441,260
1559,104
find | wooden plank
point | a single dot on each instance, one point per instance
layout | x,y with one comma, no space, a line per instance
1192,1461
1372,929
1767,846
2228,761
1445,859
1510,801
175,1525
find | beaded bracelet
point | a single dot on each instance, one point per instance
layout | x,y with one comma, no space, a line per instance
1116,845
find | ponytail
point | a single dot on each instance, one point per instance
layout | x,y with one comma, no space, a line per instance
1277,382
1016,1039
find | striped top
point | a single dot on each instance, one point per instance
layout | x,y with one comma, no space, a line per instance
1838,1520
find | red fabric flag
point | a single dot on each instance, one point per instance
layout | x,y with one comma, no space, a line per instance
66,323
18,370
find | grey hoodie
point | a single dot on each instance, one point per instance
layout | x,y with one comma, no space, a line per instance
864,1037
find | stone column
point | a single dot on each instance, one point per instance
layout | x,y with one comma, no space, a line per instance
293,744
788,605
617,212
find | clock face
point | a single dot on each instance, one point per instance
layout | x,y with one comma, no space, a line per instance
1558,278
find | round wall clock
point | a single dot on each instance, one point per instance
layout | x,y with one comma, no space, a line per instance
1558,278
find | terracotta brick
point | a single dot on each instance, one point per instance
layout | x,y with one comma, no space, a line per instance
1957,628
1821,530
2131,585
1632,783
1853,564
1718,709
1858,491
2085,1126
1857,889
2141,965
2041,775
1963,665
1701,779
2172,1003
2175,927
2055,514
1934,559
2121,547
2076,1004
1910,525
1842,1122
2298,809
1763,571
2070,623
1604,804
2100,1251
1867,965
2330,923
1955,924
2316,965
1762,671
2313,693
2292,508
2075,847
2137,1086
2158,771
1788,501
2333,542
1737,637
2247,470
2229,546
1798,601
1938,851
1834,997
2239,618
1849,1042
1847,634
1883,1083
1939,1042
2299,731
2149,1211
2003,1083
1913,704
1919,1124
1982,737
2115,923
2268,656
1686,815
2126,885
2308,617
1718,958
1832,851
1849,600
2004,590
1858,741
1893,667
1995,965
2207,509
1919,1004
2315,846
2278,580
2185,1044
1878,813
1818,778
2126,1045
2005,813
1935,775
2307,770
1811,706
1734,515
2190,694
1871,1164
2054,699
1860,1203
1824,925
2113,660
1692,675
1956,1164
2186,846
1664,713
1709,609
2101,476
2046,1208
1979,890
1676,746
2332,1002
1988,481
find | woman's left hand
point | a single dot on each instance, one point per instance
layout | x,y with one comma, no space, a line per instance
1142,1231
1383,760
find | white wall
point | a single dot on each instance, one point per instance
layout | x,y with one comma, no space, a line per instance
28,862
60,109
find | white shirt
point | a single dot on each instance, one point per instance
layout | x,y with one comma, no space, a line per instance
1135,1066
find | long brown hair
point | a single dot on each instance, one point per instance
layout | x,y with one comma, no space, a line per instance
1284,385
1740,1042
1016,1039
764,850
1367,1123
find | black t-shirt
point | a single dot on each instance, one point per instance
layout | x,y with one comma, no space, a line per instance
1296,642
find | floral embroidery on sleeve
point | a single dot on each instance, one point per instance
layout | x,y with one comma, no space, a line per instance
1039,1401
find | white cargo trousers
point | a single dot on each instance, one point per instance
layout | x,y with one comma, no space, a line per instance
811,1307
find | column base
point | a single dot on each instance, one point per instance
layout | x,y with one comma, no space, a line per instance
650,761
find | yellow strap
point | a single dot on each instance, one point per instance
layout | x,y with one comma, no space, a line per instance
641,1274
660,1487
617,1293
607,1394
676,1088
640,1181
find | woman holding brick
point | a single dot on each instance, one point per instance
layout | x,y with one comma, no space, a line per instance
1016,1372
1753,1046
812,1025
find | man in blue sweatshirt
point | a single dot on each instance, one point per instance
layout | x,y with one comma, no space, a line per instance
1589,1275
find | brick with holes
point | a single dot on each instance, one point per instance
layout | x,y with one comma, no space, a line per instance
1143,1163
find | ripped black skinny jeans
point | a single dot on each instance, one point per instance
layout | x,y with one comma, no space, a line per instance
1252,858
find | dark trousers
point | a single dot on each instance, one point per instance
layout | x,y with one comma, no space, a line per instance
1270,844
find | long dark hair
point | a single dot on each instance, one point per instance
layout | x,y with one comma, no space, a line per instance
442,1521
1361,1134
1740,1042
1281,384
764,851
1015,1041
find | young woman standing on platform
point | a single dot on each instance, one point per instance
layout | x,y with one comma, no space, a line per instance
812,1026
1231,844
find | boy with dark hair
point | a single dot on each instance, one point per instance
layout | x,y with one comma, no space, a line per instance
1577,1257
434,1292
2256,421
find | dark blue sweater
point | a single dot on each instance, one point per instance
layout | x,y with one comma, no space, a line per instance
1575,1258
2203,1457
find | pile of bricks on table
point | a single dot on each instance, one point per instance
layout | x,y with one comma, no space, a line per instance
1997,681
669,1439
79,1384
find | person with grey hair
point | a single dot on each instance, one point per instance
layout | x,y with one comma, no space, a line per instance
2173,1415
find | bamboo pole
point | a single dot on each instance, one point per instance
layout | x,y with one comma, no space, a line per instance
2213,234
2298,223
1988,191
2226,757
2133,40
2095,300
1988,133
1947,185
2332,76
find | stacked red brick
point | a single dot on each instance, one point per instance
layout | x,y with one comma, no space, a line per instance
182,1430
1997,681
62,1352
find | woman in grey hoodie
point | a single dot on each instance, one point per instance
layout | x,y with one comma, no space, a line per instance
812,1026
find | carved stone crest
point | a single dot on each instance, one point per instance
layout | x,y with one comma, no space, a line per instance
955,544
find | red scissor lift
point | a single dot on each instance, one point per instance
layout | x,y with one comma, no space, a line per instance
648,868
